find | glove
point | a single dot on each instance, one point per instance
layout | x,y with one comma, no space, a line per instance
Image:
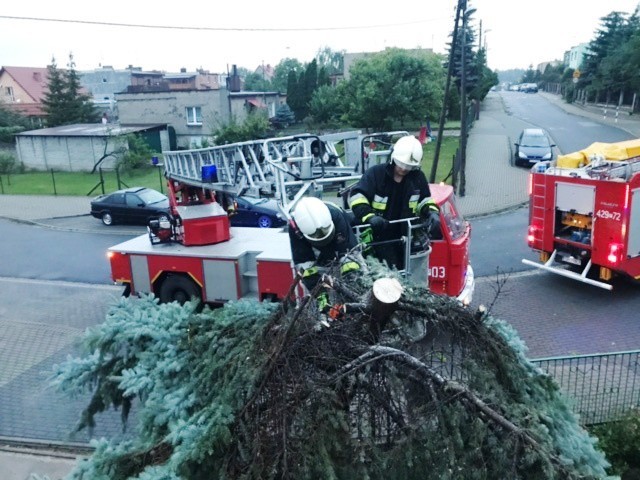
378,223
323,302
432,223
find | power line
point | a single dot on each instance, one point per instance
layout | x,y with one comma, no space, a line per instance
216,29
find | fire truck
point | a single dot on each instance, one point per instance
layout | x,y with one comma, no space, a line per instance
584,215
198,254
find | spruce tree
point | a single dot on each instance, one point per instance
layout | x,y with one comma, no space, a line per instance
80,105
54,100
64,102
264,391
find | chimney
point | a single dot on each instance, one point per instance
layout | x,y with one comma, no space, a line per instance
37,77
183,70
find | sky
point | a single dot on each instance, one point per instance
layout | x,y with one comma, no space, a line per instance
215,35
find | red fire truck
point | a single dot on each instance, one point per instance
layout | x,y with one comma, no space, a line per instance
584,216
198,254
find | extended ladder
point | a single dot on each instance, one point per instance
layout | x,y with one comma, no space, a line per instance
282,167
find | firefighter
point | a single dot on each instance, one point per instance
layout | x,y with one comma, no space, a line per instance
320,235
393,191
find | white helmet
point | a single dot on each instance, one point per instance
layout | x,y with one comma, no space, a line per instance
407,152
313,218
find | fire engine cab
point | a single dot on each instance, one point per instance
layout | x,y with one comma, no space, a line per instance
584,216
198,254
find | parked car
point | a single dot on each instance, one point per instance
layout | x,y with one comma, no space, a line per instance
135,205
533,146
529,88
257,212
138,205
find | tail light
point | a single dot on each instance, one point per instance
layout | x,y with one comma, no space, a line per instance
615,252
532,234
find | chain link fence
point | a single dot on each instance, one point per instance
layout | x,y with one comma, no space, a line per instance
603,387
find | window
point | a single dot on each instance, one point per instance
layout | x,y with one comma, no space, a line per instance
117,198
8,92
453,220
194,116
133,200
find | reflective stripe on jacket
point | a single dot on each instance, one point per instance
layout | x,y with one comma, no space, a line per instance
371,195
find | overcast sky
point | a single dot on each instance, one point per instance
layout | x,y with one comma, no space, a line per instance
217,34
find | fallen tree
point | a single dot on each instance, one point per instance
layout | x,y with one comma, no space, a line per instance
402,386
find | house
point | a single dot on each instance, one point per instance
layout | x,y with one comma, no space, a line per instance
192,113
575,55
541,67
265,71
22,90
198,80
102,84
77,148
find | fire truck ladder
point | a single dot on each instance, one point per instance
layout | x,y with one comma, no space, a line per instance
284,167
538,193
624,169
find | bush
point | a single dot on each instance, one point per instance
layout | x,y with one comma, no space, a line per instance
137,156
255,126
620,441
8,163
8,134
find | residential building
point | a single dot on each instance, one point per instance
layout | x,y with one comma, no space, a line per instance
193,105
22,89
103,83
575,55
265,71
543,66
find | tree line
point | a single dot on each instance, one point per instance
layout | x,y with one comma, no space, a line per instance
610,70
384,90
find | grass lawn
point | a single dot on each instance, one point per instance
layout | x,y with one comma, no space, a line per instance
78,183
86,184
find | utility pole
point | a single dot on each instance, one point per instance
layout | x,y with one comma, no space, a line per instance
463,101
463,106
445,100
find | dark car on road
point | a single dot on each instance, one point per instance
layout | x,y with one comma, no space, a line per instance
139,205
533,146
135,205
257,212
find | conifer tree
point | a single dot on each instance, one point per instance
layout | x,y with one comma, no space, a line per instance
64,102
54,98
261,391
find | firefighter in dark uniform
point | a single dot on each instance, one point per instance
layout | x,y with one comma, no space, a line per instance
322,235
393,191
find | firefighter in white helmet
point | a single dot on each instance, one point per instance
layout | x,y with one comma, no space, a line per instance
393,191
321,235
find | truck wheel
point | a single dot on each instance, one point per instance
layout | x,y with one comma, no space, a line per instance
107,219
177,288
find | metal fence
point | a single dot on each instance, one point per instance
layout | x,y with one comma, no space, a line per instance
603,387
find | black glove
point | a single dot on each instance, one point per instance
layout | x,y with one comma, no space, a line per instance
378,223
432,224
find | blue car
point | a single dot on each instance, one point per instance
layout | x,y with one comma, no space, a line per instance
257,212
